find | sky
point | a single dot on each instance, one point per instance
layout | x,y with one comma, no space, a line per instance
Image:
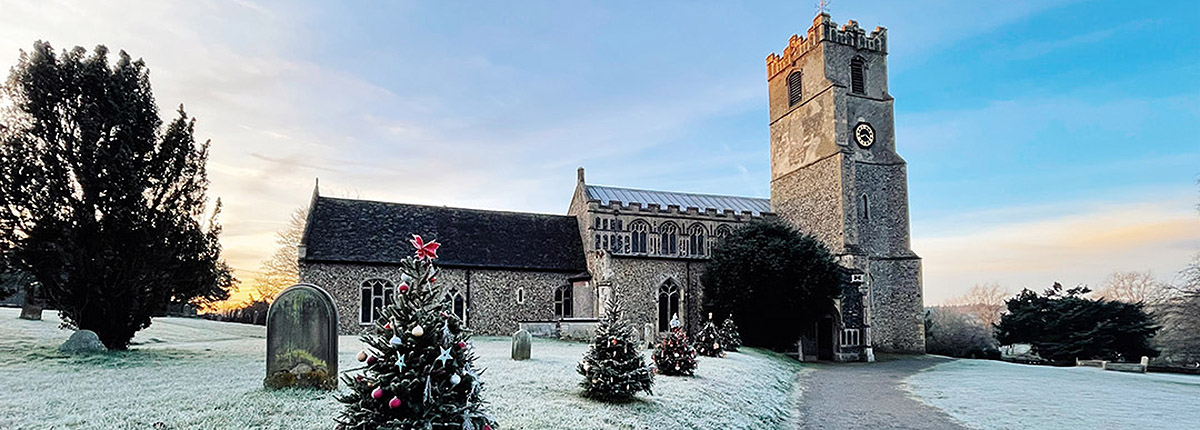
1046,141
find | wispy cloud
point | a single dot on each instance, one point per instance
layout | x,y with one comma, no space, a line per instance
1081,246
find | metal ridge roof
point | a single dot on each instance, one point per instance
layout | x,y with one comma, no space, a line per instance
605,195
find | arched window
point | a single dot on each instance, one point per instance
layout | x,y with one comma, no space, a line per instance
858,77
375,294
563,302
668,304
668,234
458,304
696,239
637,236
795,91
723,231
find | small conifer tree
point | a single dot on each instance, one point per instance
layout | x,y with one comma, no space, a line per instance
674,356
731,338
708,340
612,368
418,371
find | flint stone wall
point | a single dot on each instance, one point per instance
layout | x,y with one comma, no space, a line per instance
491,295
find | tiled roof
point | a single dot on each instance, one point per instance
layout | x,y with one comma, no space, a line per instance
362,231
702,202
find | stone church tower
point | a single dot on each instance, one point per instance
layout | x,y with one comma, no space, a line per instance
835,172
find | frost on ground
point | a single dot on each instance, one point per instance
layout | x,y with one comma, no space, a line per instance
189,373
998,395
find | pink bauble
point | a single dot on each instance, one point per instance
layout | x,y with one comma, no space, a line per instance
377,394
402,288
394,403
462,345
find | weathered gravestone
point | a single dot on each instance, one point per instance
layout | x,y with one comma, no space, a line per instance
521,344
82,342
302,339
31,309
648,336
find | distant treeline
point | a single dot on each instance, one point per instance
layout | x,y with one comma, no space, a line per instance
254,312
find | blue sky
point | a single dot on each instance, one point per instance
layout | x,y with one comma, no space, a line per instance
1046,140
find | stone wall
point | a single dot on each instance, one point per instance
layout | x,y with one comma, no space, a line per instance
897,323
637,281
883,228
810,198
492,307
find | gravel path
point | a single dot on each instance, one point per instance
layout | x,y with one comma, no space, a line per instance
868,396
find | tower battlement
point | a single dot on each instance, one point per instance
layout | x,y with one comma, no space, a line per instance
824,29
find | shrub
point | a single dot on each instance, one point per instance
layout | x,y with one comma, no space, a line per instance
954,333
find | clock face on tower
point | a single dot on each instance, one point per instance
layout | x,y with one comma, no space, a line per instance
864,134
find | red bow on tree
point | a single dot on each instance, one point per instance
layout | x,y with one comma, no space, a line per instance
425,250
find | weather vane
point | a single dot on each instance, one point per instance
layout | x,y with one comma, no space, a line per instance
823,6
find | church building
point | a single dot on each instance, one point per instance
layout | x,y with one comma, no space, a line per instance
835,174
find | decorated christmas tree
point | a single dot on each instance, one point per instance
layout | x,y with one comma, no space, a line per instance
612,368
674,357
731,338
418,371
708,340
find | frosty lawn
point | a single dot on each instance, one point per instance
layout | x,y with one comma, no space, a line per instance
998,395
190,373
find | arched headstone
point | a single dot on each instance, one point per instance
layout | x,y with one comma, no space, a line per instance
302,343
521,344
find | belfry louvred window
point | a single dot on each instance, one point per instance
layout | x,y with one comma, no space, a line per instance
858,78
794,88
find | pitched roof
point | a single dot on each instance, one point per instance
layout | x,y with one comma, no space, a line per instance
362,231
702,202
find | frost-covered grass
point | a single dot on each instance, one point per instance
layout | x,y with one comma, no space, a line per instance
751,389
998,395
189,373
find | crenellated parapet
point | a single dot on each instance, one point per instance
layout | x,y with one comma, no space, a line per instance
824,29
654,209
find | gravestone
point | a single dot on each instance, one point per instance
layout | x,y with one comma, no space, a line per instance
648,335
31,309
302,343
521,344
82,342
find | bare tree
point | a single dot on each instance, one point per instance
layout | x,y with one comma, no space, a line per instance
983,301
1180,317
282,269
1135,287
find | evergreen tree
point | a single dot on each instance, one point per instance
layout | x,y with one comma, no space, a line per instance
730,337
419,371
674,356
774,277
100,201
612,368
708,340
1064,325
